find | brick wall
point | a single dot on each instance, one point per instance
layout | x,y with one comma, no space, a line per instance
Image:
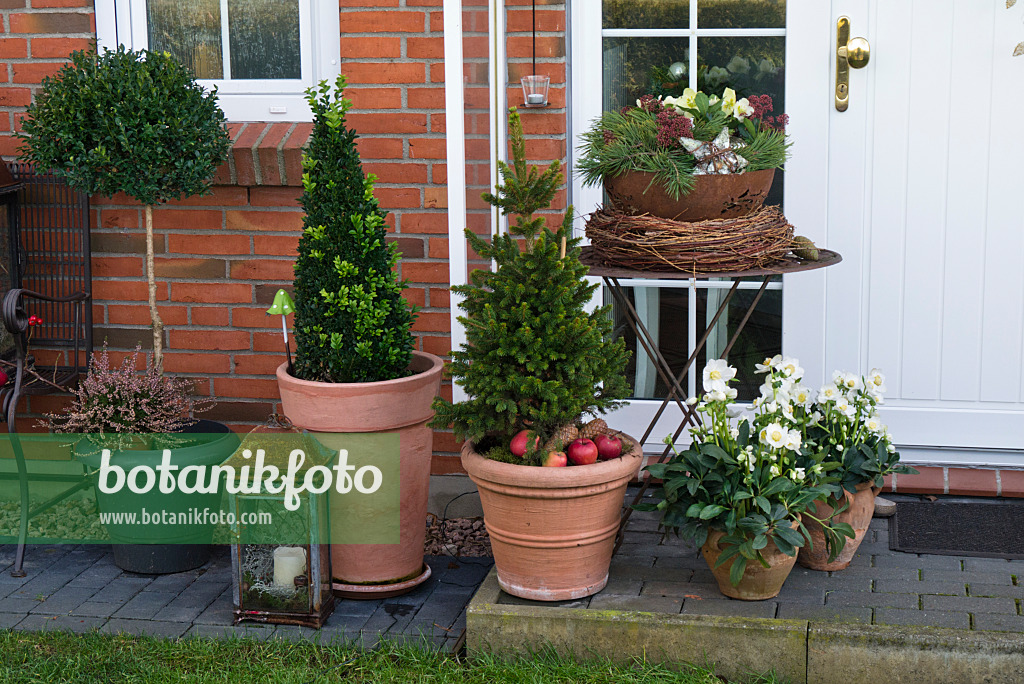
220,258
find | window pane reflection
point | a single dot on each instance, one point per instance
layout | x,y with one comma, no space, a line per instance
741,13
664,312
646,14
190,31
264,39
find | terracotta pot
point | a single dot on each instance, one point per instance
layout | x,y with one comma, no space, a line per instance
552,529
722,196
399,406
858,515
758,582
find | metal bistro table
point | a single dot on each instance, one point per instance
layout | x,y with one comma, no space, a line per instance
612,275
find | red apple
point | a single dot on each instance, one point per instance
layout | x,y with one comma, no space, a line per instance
520,442
555,459
583,452
608,447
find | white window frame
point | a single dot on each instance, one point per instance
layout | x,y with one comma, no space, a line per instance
123,22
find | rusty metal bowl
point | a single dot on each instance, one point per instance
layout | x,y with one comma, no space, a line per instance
723,196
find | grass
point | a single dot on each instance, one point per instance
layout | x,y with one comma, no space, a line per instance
62,657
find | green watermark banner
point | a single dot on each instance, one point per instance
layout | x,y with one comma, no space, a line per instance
266,487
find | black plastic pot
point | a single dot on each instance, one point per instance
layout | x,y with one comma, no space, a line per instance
161,548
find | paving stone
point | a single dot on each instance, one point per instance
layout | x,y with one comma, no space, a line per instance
911,560
681,590
43,623
145,605
220,612
175,582
971,604
64,600
156,628
868,599
242,631
444,607
881,536
923,587
185,608
9,620
979,589
18,605
993,565
417,640
99,574
800,593
667,550
927,618
122,589
903,573
729,608
349,607
391,618
299,633
998,623
681,563
795,611
623,587
646,604
1004,578
96,609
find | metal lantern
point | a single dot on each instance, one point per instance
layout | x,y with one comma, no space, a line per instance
281,569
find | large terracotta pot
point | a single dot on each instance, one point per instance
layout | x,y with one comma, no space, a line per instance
721,196
858,515
758,582
552,529
399,406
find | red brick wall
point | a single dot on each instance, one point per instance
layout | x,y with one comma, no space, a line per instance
220,258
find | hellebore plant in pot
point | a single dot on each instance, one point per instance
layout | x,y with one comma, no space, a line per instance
743,487
689,158
848,430
355,368
535,367
136,416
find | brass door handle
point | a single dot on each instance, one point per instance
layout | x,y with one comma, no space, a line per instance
851,53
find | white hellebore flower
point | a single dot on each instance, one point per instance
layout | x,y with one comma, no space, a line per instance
793,440
731,392
728,99
691,401
734,432
743,110
774,435
738,65
798,475
876,380
717,75
852,382
776,471
828,394
874,425
843,406
716,374
766,67
716,395
791,367
801,395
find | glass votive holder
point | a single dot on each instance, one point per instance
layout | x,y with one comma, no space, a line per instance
535,90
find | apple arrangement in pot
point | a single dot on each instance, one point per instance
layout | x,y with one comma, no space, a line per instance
537,368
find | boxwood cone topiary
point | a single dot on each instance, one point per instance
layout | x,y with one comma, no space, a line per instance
128,121
535,357
351,322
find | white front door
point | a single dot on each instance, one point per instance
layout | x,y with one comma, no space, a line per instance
919,184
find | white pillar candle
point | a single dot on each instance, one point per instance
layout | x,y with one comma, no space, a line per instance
289,563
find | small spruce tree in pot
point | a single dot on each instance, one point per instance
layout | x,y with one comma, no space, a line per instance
537,360
355,366
131,122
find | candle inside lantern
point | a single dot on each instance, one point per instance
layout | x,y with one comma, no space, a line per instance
289,563
535,89
535,98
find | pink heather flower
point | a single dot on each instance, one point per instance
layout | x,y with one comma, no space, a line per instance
762,105
122,400
779,122
649,103
672,126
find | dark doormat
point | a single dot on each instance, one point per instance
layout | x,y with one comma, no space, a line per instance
992,529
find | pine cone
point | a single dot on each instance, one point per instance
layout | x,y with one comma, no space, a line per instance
594,428
560,439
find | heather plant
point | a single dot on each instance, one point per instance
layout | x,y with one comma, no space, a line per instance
119,401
